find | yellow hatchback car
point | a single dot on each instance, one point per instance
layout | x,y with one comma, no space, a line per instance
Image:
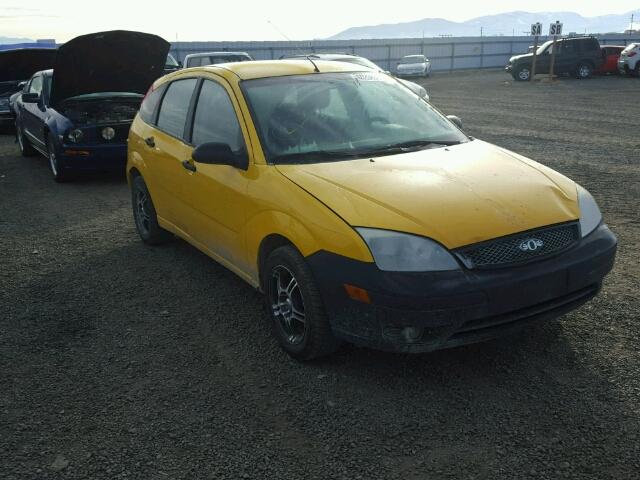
360,211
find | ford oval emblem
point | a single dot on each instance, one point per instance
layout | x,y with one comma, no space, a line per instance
530,244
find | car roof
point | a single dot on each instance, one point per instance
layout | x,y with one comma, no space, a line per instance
322,56
207,54
278,68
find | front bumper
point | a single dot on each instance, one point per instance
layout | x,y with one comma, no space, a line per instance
111,157
458,307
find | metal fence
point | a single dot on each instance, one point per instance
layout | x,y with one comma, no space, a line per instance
446,54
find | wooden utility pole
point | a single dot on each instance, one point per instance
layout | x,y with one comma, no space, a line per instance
536,30
555,30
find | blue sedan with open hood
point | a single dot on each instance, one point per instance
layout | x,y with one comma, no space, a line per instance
78,114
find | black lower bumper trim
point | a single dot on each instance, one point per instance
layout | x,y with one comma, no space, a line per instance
417,312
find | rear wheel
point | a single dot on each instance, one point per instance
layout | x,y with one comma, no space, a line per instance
56,166
584,71
295,306
144,214
25,147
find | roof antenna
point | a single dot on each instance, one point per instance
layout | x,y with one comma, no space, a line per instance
306,55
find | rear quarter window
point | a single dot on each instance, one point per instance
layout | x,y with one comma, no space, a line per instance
150,105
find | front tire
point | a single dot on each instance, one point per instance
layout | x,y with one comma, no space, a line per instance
584,71
523,74
144,214
55,165
295,306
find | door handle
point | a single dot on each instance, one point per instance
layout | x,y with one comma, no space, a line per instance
150,142
189,165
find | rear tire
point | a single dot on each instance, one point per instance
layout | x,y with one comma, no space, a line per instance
26,150
55,165
584,71
144,214
295,306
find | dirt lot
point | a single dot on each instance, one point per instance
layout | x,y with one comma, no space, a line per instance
123,361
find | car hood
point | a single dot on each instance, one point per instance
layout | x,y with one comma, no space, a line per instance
115,61
18,65
456,195
515,58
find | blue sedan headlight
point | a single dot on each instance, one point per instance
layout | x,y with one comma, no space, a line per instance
75,135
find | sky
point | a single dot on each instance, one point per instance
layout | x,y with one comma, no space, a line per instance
188,20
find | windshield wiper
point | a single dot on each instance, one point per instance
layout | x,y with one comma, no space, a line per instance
402,147
315,155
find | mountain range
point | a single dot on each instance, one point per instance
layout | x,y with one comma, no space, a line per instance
510,23
10,40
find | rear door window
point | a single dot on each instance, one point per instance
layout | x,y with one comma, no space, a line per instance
175,106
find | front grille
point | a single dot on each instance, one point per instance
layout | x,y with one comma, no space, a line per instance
520,248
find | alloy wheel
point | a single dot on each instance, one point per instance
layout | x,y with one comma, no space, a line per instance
53,162
524,74
142,211
287,304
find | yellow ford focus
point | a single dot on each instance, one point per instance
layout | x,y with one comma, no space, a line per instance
361,212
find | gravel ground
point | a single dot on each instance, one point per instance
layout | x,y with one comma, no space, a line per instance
124,361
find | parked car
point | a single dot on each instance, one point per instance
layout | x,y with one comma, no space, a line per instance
361,214
365,62
610,57
171,65
16,66
212,58
577,56
629,62
414,66
78,114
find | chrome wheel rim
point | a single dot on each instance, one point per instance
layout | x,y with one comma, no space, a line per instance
524,74
584,71
287,304
20,141
53,163
142,211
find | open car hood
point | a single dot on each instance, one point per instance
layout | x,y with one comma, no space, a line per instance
18,65
115,61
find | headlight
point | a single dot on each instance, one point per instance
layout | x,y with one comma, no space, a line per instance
590,216
75,135
403,252
108,133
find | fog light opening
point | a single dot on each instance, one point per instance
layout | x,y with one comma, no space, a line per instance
412,334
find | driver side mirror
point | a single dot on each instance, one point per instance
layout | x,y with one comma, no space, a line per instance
30,98
455,120
21,85
214,153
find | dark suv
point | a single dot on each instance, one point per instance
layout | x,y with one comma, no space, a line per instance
579,56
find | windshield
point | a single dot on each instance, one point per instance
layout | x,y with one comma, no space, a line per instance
544,46
412,59
329,116
171,62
